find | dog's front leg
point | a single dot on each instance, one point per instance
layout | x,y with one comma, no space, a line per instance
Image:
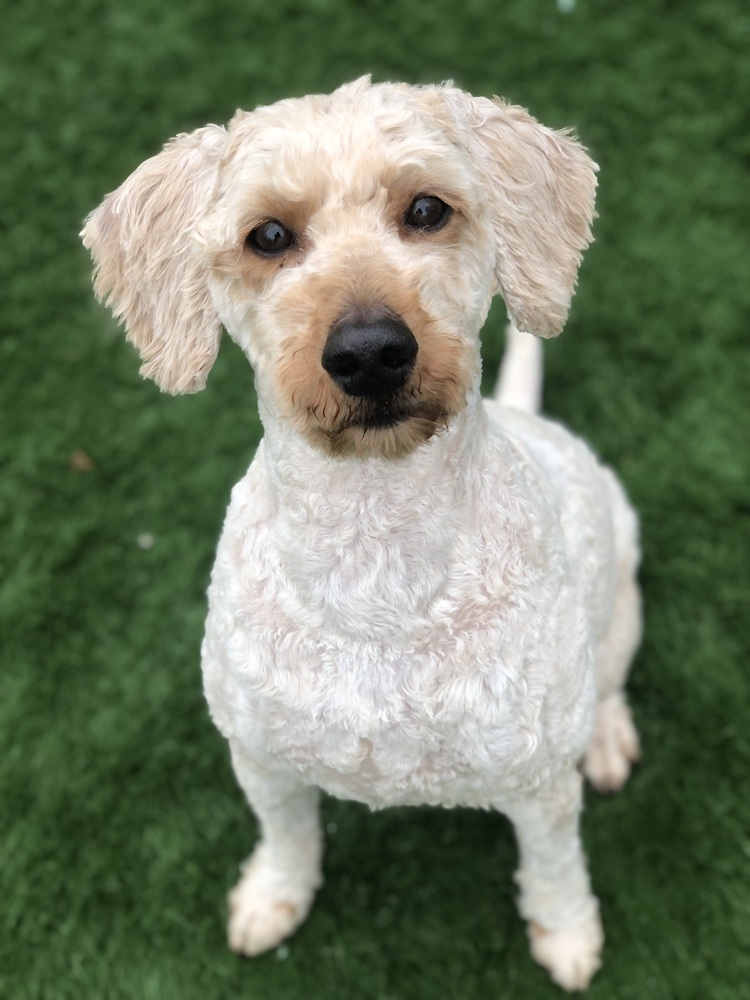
565,930
278,882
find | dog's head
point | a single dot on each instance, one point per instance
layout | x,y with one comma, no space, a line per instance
351,245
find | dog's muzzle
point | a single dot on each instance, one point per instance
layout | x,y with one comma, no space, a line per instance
370,360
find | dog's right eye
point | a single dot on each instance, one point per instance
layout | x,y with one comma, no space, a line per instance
270,238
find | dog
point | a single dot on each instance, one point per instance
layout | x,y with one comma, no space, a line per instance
418,596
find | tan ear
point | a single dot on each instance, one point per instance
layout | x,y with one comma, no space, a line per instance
147,269
540,185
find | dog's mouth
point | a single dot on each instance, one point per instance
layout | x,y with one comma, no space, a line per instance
389,427
368,415
373,415
379,421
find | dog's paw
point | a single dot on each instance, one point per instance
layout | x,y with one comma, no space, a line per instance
265,907
571,957
614,747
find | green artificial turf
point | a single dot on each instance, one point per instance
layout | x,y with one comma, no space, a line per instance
120,824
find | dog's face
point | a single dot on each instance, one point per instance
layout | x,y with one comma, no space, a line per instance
351,245
350,255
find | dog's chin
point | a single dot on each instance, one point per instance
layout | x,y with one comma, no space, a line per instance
382,430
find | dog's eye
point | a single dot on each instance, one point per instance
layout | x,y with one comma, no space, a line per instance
427,212
270,237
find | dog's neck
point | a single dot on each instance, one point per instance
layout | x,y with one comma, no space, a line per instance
372,542
434,473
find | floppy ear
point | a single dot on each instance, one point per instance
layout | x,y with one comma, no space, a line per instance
147,269
540,186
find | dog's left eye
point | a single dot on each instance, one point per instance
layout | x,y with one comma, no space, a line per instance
427,212
270,238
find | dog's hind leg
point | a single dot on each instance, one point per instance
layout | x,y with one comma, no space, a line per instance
614,746
278,882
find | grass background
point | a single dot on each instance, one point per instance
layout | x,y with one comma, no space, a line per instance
121,827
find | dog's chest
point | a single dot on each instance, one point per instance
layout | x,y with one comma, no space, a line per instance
383,666
383,724
377,689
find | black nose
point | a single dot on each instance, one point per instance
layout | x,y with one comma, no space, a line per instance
370,360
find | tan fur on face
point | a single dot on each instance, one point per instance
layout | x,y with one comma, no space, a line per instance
339,424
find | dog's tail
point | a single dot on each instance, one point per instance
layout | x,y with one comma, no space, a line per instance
519,383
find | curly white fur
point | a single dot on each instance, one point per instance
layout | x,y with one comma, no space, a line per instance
442,612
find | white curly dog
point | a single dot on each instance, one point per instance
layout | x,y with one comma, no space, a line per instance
418,597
